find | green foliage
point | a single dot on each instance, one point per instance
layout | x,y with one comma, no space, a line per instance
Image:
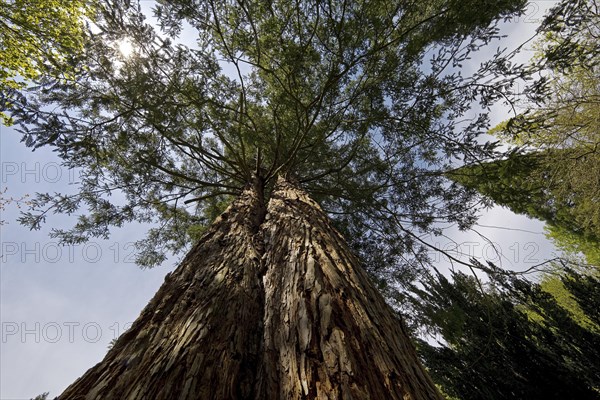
5,201
572,245
557,176
553,185
38,37
556,287
570,32
333,95
489,347
42,396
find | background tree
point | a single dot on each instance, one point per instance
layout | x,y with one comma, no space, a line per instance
558,186
509,338
556,174
558,283
573,245
38,37
502,335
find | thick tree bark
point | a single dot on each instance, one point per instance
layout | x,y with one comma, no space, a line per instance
271,307
328,332
200,336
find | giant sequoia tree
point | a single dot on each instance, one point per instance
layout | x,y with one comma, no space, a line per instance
298,116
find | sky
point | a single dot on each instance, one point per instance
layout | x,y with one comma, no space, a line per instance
61,306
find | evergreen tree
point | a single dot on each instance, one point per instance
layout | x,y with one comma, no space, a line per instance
270,304
554,172
511,340
330,112
331,94
543,185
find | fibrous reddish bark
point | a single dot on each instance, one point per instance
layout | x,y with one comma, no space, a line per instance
328,332
271,307
199,337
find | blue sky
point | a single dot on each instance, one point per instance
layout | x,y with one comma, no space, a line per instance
60,307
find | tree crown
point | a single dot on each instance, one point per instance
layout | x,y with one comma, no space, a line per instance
360,102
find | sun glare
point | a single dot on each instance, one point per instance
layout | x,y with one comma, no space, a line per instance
125,48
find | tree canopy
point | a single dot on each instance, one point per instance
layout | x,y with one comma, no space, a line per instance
360,102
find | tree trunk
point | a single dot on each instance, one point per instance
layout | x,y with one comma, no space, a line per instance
328,333
200,336
271,307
